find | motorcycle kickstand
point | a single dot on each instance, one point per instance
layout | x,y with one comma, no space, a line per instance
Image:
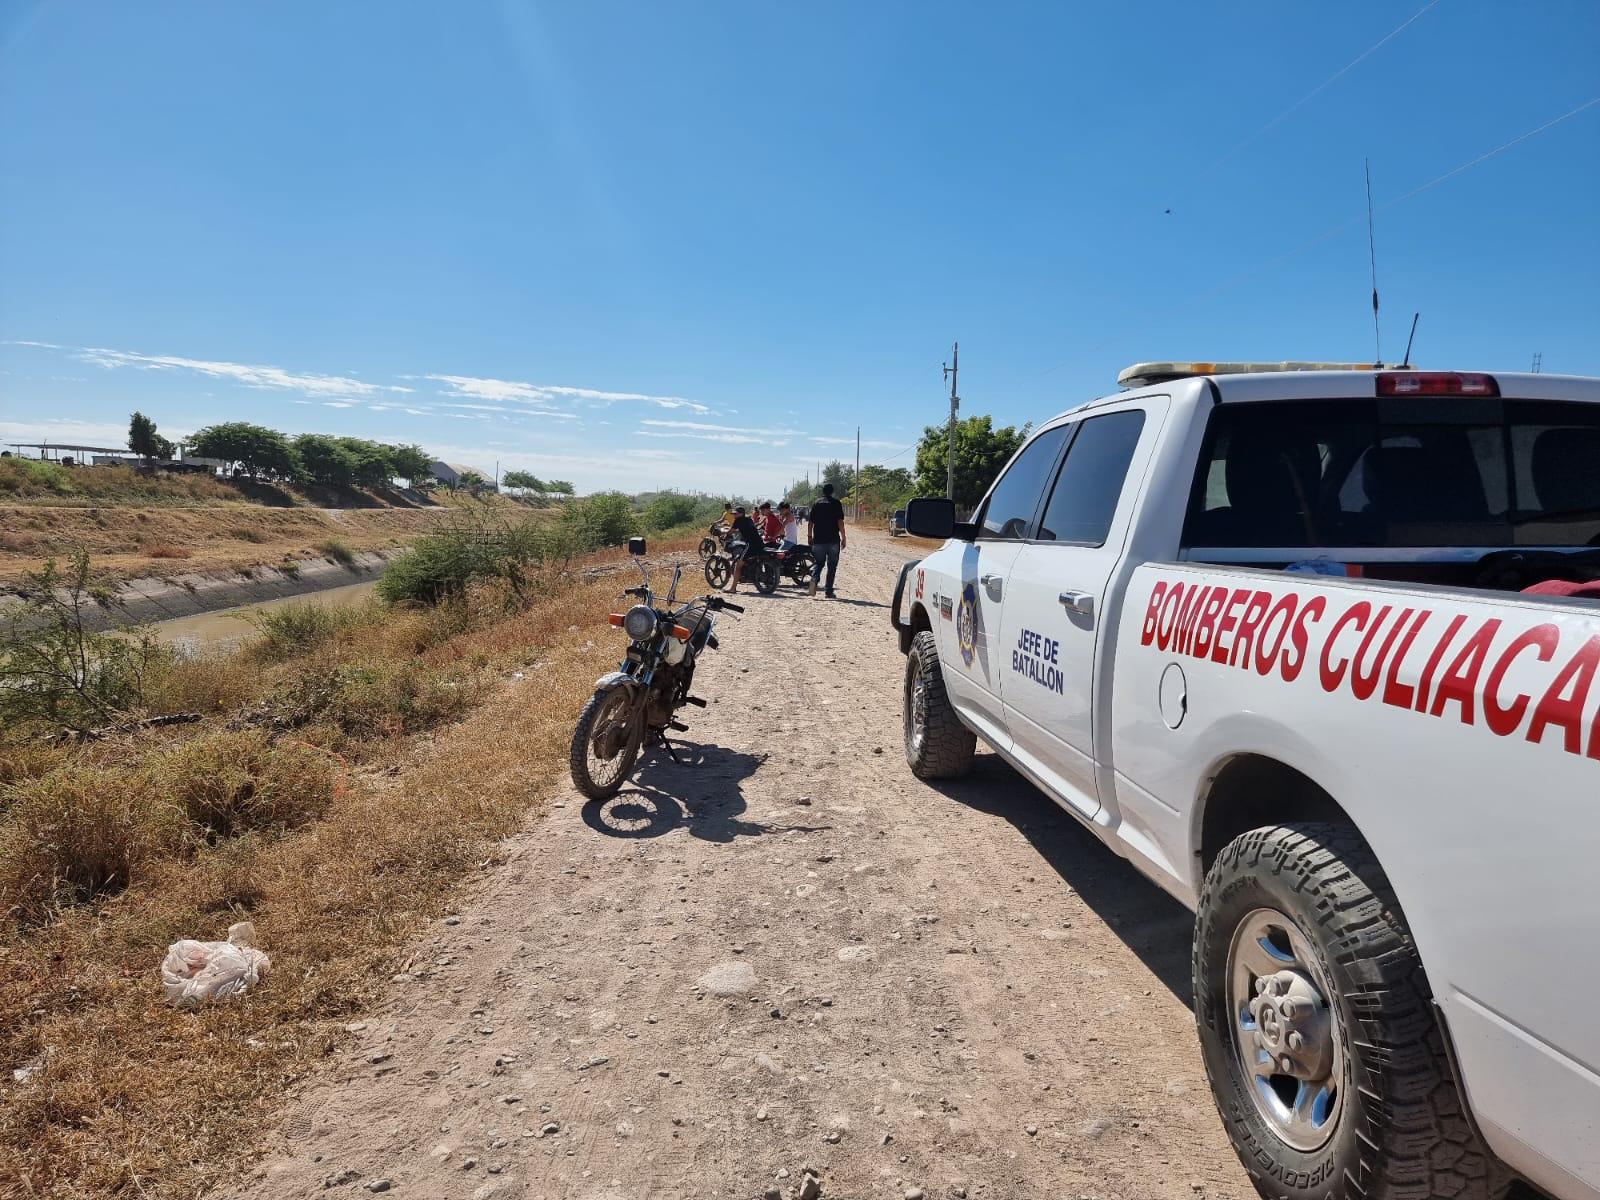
665,744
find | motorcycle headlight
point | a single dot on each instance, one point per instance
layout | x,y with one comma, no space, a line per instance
640,622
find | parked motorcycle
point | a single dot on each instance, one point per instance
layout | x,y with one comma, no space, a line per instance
634,706
764,571
713,540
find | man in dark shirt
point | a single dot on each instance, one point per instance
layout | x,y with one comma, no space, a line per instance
744,529
826,525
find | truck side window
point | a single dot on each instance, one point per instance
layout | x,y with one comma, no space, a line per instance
1090,482
1012,504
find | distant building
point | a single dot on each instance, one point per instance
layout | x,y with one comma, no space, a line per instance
449,474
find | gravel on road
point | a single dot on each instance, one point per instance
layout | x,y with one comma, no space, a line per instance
783,967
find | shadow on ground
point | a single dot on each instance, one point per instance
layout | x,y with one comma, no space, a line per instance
1151,923
702,792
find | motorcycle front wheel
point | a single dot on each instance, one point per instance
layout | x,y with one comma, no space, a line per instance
708,547
719,571
766,575
605,744
801,567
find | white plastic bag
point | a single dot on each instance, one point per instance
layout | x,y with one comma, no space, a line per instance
194,972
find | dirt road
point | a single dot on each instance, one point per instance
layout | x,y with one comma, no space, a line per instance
788,953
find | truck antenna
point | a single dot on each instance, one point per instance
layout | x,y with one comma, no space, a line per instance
1372,255
1411,339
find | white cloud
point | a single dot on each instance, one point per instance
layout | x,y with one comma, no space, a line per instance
704,427
250,375
734,439
516,412
542,394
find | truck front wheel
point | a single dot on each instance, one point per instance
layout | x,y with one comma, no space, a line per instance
938,745
1317,1028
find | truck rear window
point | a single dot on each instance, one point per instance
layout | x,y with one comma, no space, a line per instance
1398,473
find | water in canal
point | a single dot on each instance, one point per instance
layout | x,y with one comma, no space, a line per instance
225,628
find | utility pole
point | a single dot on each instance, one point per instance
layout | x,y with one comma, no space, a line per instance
855,484
1538,361
950,438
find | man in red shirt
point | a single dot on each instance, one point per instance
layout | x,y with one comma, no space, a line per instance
771,523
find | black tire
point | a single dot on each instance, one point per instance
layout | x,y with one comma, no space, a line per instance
767,575
627,752
708,547
719,571
1398,1129
938,745
800,567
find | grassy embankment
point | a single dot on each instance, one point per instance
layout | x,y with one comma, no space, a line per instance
142,525
350,769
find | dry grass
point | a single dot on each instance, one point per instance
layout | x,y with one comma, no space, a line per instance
167,550
128,542
133,1098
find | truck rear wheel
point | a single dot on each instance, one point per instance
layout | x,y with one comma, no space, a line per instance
938,745
1317,1027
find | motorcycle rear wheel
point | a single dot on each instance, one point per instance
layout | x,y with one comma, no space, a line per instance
719,571
605,743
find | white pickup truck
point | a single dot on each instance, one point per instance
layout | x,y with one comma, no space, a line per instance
1265,630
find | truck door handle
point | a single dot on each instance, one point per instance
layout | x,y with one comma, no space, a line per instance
1081,603
992,584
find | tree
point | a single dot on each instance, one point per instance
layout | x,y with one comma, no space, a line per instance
981,450
524,481
841,475
143,439
254,447
559,487
325,459
881,489
801,492
372,463
412,463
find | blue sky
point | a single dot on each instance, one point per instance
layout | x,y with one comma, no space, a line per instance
637,245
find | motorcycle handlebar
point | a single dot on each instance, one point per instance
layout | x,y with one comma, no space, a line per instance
727,604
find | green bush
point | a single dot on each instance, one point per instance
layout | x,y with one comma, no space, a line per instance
670,510
603,519
477,544
339,551
55,670
294,630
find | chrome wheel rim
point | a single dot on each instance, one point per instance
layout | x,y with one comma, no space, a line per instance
606,754
1287,1038
917,710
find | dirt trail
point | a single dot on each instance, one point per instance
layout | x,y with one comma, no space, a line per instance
790,953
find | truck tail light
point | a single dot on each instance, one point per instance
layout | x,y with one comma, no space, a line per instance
1436,383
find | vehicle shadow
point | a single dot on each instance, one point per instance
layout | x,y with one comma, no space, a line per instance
859,603
702,793
1150,923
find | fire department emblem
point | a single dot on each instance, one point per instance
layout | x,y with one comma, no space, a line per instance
967,624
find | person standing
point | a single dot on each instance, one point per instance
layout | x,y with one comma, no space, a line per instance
825,527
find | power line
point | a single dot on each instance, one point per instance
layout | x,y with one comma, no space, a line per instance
1321,87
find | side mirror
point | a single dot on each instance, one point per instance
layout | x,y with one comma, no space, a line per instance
636,546
934,517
